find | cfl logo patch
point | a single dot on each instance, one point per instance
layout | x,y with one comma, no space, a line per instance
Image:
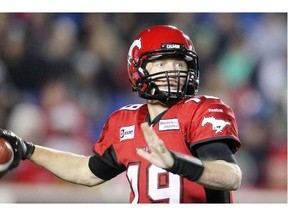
127,132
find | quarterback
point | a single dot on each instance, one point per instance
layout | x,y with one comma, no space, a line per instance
177,147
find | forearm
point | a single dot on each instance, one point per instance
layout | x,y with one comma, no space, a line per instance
220,175
216,174
67,166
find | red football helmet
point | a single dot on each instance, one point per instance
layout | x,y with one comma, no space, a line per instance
162,41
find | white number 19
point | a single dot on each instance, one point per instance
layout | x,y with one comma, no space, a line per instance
159,185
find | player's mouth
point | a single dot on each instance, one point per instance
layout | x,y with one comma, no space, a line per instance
163,86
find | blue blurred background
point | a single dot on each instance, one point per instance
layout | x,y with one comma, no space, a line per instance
62,74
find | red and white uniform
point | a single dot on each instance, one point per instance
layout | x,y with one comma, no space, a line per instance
190,122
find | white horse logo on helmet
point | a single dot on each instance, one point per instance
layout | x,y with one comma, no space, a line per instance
217,124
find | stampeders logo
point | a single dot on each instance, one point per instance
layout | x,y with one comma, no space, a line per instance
217,124
136,43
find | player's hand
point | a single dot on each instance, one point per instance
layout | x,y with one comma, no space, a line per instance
22,149
159,155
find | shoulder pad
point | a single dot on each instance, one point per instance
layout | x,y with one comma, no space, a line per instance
131,107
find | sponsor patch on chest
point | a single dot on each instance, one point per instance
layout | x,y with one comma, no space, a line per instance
127,132
168,124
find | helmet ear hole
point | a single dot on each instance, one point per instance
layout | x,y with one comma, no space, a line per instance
140,85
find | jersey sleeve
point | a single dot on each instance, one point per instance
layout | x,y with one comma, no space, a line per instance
212,121
107,136
104,163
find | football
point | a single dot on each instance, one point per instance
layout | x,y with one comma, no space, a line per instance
6,154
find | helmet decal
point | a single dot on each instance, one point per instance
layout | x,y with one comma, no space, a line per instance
171,46
136,43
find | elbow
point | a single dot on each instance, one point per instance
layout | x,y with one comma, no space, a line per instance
235,179
221,175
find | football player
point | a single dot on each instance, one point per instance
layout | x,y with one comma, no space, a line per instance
177,147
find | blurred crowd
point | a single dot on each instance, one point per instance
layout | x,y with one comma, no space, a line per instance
62,74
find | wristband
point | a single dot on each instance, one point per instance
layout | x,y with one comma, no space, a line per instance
187,166
30,147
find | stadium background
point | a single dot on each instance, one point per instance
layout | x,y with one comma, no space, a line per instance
62,74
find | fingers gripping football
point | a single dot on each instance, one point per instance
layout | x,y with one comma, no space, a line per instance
159,156
21,149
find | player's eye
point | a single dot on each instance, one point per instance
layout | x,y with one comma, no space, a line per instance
180,65
159,64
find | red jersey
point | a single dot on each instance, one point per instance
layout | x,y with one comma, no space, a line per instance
188,123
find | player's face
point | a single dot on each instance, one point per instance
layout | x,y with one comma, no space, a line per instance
168,64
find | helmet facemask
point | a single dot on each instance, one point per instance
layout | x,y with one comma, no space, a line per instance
179,84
